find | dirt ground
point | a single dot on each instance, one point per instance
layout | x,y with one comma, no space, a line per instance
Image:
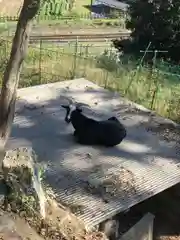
10,9
12,227
164,206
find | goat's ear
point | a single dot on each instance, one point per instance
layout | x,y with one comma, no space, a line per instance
65,106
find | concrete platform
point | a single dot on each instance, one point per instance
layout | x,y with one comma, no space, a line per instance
95,182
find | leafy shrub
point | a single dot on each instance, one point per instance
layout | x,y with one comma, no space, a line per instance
109,60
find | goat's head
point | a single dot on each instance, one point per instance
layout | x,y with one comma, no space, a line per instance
70,107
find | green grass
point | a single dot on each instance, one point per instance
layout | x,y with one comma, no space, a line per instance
59,63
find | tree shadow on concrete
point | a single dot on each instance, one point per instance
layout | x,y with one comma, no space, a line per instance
70,166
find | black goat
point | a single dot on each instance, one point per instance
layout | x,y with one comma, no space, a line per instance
88,131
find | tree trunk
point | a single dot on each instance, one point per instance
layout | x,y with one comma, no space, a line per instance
12,72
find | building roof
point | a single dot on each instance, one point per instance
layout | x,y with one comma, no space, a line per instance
113,4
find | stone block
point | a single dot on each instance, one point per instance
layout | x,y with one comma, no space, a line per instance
22,175
143,230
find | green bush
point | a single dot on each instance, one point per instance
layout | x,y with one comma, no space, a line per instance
109,60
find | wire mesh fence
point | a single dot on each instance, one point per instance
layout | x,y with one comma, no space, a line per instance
157,89
55,62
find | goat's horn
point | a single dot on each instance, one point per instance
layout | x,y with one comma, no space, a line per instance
82,104
69,100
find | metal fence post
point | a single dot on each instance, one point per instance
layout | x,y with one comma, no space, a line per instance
136,73
155,80
75,59
106,79
85,59
40,61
